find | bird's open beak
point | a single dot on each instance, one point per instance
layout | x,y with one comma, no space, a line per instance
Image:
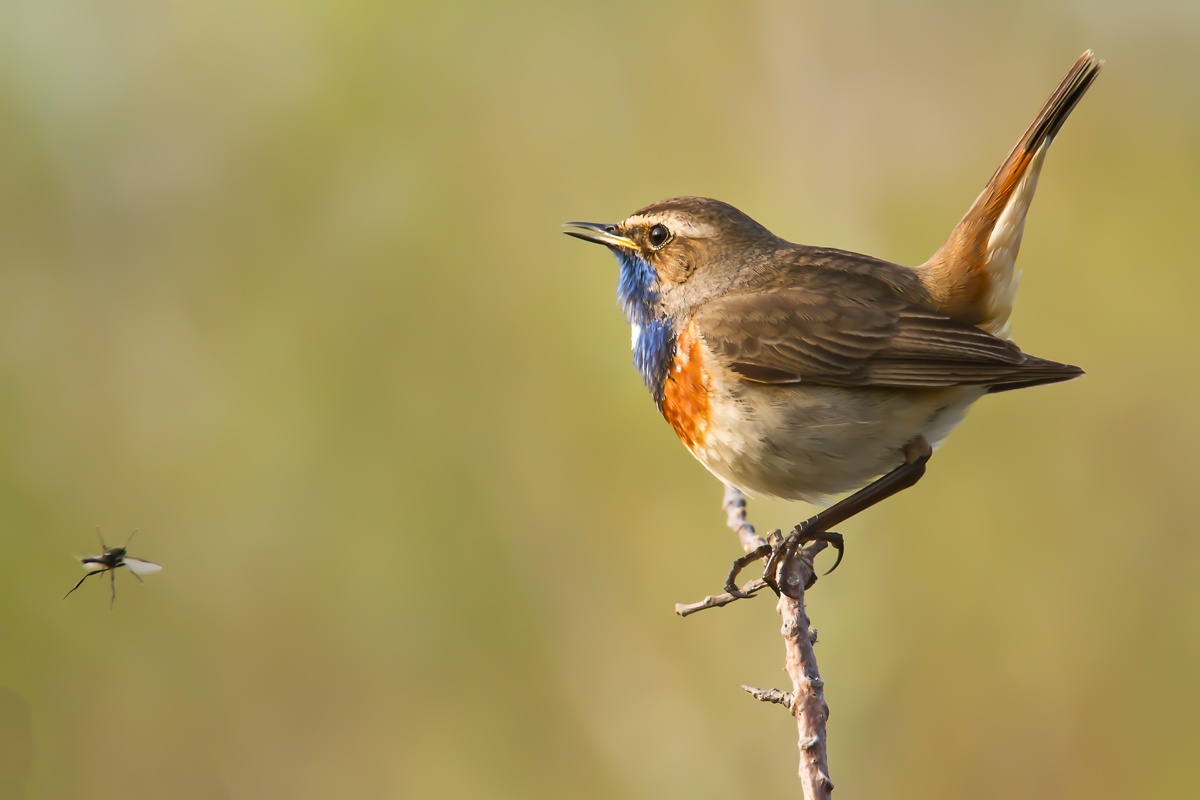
600,234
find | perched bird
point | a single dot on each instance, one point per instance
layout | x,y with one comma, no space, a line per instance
112,559
803,372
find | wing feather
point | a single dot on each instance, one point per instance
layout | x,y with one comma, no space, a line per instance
856,331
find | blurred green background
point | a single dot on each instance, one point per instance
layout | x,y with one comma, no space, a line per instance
282,285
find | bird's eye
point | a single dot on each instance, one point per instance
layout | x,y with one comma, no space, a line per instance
658,236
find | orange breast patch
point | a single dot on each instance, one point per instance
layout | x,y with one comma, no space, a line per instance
686,403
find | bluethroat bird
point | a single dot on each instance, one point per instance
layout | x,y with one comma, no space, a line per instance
803,372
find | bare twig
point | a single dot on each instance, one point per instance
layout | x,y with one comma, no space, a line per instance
808,704
716,601
734,505
735,517
771,695
806,701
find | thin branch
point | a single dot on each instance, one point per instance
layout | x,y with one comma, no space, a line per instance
771,696
716,601
734,505
808,693
806,701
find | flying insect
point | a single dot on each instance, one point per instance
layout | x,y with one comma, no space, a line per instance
110,561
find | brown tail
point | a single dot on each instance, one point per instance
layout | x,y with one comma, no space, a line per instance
971,276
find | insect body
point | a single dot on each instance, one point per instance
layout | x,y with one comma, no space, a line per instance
109,561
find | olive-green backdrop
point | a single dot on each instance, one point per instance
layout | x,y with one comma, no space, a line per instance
282,285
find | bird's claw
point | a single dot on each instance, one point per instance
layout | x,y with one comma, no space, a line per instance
779,553
839,544
778,565
737,566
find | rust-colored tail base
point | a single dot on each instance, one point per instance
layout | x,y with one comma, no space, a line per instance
971,276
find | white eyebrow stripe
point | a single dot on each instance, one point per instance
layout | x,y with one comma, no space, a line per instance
693,230
677,224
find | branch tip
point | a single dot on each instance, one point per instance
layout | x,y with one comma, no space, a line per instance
771,695
718,600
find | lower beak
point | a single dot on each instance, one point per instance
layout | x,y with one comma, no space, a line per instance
600,234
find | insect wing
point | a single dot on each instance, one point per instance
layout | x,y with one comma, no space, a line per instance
139,567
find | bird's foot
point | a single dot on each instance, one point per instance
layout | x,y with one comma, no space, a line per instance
740,563
777,572
779,552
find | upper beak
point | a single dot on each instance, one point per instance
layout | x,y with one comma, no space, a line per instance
600,234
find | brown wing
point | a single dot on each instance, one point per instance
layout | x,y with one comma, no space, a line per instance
853,331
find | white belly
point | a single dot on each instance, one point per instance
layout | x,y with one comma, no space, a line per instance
805,442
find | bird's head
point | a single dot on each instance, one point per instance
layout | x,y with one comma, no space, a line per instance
679,253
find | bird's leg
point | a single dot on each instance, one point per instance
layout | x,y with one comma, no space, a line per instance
816,529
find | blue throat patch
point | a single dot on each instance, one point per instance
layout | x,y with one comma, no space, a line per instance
654,336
